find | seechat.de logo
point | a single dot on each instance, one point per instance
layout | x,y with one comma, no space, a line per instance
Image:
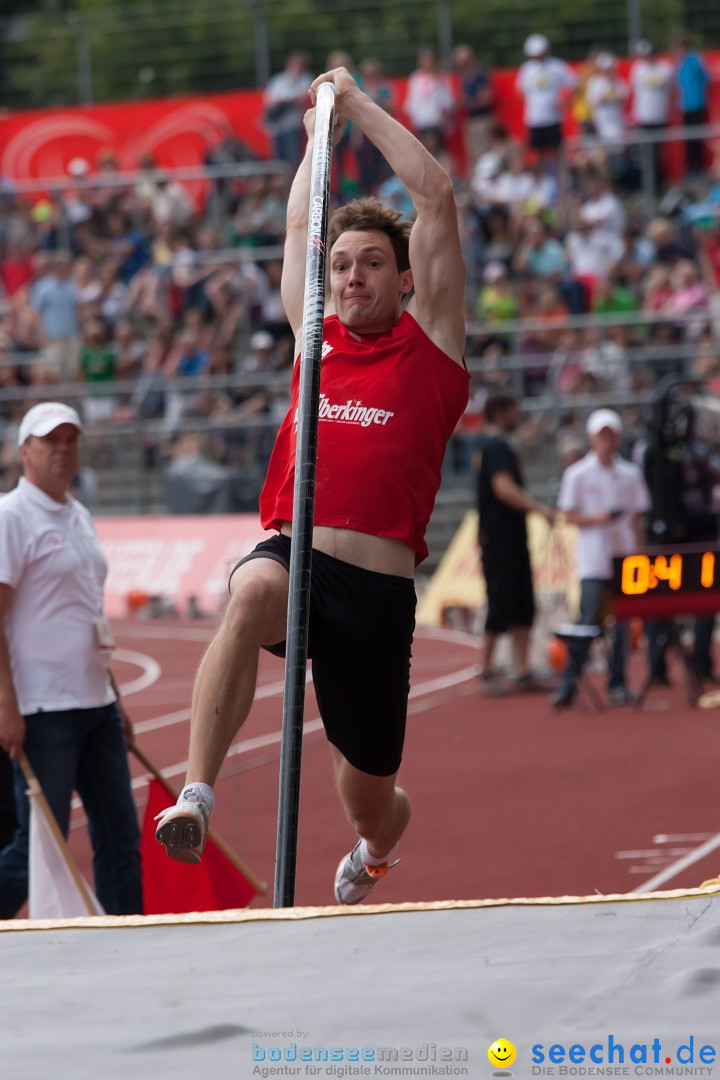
644,1056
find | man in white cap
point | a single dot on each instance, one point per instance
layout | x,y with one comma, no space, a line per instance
605,496
544,81
606,94
58,699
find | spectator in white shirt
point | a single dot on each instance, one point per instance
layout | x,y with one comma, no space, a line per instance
429,102
515,184
605,360
484,181
544,82
593,251
602,208
606,95
651,82
171,203
523,190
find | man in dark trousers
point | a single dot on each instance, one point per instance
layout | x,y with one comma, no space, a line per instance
58,698
8,818
502,506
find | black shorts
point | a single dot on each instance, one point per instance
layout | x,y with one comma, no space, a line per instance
360,640
546,137
508,579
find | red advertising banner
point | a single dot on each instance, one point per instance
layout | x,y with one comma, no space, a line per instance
179,131
176,131
174,558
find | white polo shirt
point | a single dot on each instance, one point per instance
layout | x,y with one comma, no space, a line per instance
606,212
541,82
606,95
593,254
51,557
589,487
652,86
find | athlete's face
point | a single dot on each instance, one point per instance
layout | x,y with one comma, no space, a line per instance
365,283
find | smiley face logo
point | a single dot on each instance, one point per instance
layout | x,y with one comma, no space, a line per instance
502,1053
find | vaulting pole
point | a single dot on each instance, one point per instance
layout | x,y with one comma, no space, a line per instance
304,501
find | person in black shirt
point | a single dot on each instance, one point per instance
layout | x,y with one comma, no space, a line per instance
502,506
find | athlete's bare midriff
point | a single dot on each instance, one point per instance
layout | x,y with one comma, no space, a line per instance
381,554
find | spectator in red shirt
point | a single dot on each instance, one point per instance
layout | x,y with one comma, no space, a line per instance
17,266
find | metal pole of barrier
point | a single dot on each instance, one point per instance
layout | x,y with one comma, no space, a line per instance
634,24
304,501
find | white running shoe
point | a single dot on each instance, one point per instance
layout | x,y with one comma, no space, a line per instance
355,879
184,827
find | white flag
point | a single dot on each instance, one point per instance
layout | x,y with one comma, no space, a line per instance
55,892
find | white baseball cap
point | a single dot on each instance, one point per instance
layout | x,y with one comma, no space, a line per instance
606,61
261,339
44,418
603,418
78,167
536,45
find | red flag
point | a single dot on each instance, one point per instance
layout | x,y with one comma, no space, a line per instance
171,887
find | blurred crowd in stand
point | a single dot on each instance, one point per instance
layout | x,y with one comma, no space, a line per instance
128,294
132,289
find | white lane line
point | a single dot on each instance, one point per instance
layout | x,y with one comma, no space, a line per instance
151,670
166,720
246,746
182,715
672,838
655,855
443,682
648,853
679,865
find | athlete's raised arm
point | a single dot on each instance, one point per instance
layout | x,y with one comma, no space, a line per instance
436,258
293,274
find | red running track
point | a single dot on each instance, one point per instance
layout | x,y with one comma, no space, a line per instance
509,797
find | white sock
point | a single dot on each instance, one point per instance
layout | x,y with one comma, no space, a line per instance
203,792
372,860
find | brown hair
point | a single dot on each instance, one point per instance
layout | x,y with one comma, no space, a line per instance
370,215
497,404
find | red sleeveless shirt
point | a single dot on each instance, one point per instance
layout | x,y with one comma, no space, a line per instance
389,403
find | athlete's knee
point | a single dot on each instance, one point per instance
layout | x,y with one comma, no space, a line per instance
257,607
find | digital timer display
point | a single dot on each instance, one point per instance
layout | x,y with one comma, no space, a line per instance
662,582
